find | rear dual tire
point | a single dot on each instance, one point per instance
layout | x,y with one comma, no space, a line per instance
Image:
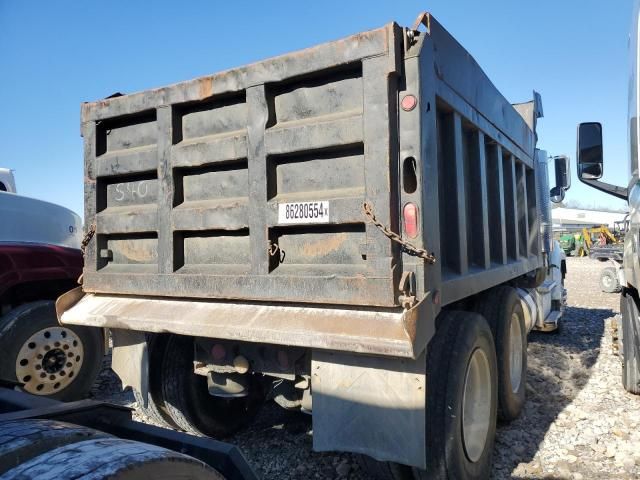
154,409
462,386
178,398
187,398
461,403
502,309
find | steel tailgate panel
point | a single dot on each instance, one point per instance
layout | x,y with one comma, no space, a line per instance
183,183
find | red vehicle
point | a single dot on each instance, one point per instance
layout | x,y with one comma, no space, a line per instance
46,358
40,259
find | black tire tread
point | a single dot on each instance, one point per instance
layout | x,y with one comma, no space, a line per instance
443,351
21,440
173,386
491,306
156,409
630,353
112,458
439,357
188,402
151,412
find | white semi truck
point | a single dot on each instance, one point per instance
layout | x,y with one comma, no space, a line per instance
590,169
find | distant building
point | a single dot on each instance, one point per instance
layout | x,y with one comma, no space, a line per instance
572,219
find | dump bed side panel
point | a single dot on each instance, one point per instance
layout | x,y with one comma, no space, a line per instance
456,68
482,170
249,184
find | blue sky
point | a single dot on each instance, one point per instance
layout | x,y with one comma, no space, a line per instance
55,55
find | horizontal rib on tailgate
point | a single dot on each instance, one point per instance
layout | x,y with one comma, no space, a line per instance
186,184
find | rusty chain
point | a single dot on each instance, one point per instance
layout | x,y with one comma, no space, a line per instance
91,231
273,248
406,247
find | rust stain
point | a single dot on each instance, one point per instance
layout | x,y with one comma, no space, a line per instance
206,87
137,252
324,246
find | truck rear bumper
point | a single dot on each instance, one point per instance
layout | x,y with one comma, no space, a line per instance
395,333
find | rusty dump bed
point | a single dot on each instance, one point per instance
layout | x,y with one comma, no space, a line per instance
249,184
184,182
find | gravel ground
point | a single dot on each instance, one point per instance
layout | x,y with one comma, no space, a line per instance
578,423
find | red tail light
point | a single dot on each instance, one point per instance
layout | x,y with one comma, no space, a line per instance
410,220
408,103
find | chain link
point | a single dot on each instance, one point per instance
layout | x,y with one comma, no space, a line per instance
406,247
91,231
273,249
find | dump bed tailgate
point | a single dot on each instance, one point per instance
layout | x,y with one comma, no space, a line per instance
249,184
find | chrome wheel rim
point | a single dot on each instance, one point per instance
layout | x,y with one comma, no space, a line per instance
606,281
476,405
515,353
49,360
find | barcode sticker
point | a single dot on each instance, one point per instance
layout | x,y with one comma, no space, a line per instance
303,212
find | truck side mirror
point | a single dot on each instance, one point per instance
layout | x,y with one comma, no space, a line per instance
561,164
590,151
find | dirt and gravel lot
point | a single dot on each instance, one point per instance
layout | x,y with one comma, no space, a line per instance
579,423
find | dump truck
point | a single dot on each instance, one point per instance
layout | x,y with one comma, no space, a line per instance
590,161
360,230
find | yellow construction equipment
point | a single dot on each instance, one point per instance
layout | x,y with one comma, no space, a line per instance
605,237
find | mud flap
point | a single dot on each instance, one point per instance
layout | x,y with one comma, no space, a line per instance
130,360
370,405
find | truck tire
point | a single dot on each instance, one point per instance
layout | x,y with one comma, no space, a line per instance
630,344
155,411
21,440
609,280
461,404
60,362
502,309
187,400
462,384
112,458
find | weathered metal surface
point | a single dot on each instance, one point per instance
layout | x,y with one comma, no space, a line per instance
184,182
456,68
369,405
381,332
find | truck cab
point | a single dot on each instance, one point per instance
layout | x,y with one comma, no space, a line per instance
7,181
590,170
